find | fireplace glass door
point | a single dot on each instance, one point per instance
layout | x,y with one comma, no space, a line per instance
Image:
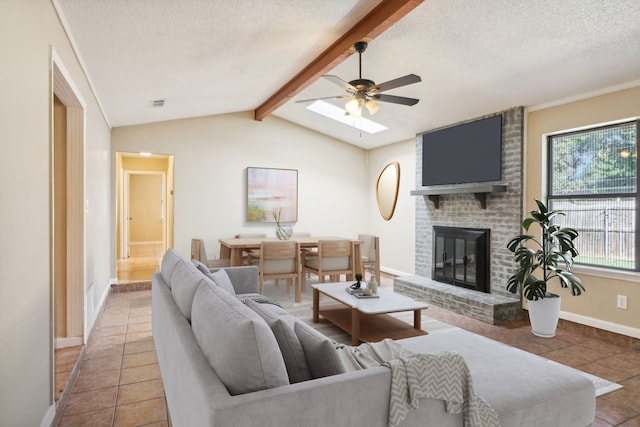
460,257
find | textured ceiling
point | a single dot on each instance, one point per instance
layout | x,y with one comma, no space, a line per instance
475,57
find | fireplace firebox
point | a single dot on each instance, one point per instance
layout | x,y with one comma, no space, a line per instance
461,257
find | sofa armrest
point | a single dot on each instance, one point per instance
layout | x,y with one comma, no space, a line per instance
244,279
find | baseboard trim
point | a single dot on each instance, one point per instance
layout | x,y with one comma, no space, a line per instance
65,342
144,285
601,324
394,272
98,310
66,393
49,416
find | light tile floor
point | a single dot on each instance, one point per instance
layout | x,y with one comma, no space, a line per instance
119,381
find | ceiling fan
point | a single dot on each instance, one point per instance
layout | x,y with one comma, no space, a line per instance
364,92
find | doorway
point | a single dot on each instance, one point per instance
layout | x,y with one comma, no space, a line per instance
67,224
145,214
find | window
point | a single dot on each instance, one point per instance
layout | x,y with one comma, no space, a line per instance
593,179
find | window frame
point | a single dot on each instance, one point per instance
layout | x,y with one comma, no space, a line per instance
590,196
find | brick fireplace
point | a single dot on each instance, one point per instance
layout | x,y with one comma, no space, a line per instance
495,206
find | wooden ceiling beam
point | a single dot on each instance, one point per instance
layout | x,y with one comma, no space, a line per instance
382,17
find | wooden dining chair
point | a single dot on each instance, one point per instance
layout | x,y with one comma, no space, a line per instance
279,260
333,258
246,253
370,254
199,253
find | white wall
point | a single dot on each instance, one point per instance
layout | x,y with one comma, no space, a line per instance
211,157
28,31
397,236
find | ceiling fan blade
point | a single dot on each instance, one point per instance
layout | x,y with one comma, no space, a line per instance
324,97
399,82
395,99
338,81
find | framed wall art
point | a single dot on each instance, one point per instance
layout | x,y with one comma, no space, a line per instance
272,191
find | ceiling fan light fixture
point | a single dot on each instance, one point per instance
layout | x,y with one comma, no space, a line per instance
353,107
372,106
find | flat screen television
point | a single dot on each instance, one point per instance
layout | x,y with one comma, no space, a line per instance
467,153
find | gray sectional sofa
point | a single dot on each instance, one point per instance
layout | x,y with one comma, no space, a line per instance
230,359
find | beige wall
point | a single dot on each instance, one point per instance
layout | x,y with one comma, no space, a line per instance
60,211
145,164
597,307
28,31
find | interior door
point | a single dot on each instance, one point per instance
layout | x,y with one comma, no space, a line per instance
126,217
146,217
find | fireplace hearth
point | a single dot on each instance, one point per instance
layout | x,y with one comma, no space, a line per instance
461,257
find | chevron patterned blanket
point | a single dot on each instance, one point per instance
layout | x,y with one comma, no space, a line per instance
443,375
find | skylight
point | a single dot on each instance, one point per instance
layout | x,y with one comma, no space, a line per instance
338,114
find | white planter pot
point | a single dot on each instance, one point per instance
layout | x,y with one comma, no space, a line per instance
543,315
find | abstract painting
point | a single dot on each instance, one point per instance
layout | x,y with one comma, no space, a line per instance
272,191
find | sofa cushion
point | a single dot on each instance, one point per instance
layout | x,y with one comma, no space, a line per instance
320,352
244,278
200,266
221,278
236,341
218,276
281,324
168,263
184,282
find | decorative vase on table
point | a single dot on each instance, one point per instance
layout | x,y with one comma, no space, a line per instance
373,284
283,231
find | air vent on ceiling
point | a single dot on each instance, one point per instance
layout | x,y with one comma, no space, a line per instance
156,103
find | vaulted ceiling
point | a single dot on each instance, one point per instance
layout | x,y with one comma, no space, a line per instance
206,57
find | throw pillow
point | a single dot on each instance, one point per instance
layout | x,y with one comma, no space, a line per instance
200,266
321,354
221,278
236,341
281,324
168,263
184,282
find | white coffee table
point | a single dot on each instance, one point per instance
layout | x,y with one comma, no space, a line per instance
367,319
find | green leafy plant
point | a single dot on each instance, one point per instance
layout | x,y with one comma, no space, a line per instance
544,256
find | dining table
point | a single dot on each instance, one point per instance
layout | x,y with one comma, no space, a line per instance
233,248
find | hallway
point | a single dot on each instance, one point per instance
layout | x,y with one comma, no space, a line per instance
144,260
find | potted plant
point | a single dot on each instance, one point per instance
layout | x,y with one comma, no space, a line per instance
541,259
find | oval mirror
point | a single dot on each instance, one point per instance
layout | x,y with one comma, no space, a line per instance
387,189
